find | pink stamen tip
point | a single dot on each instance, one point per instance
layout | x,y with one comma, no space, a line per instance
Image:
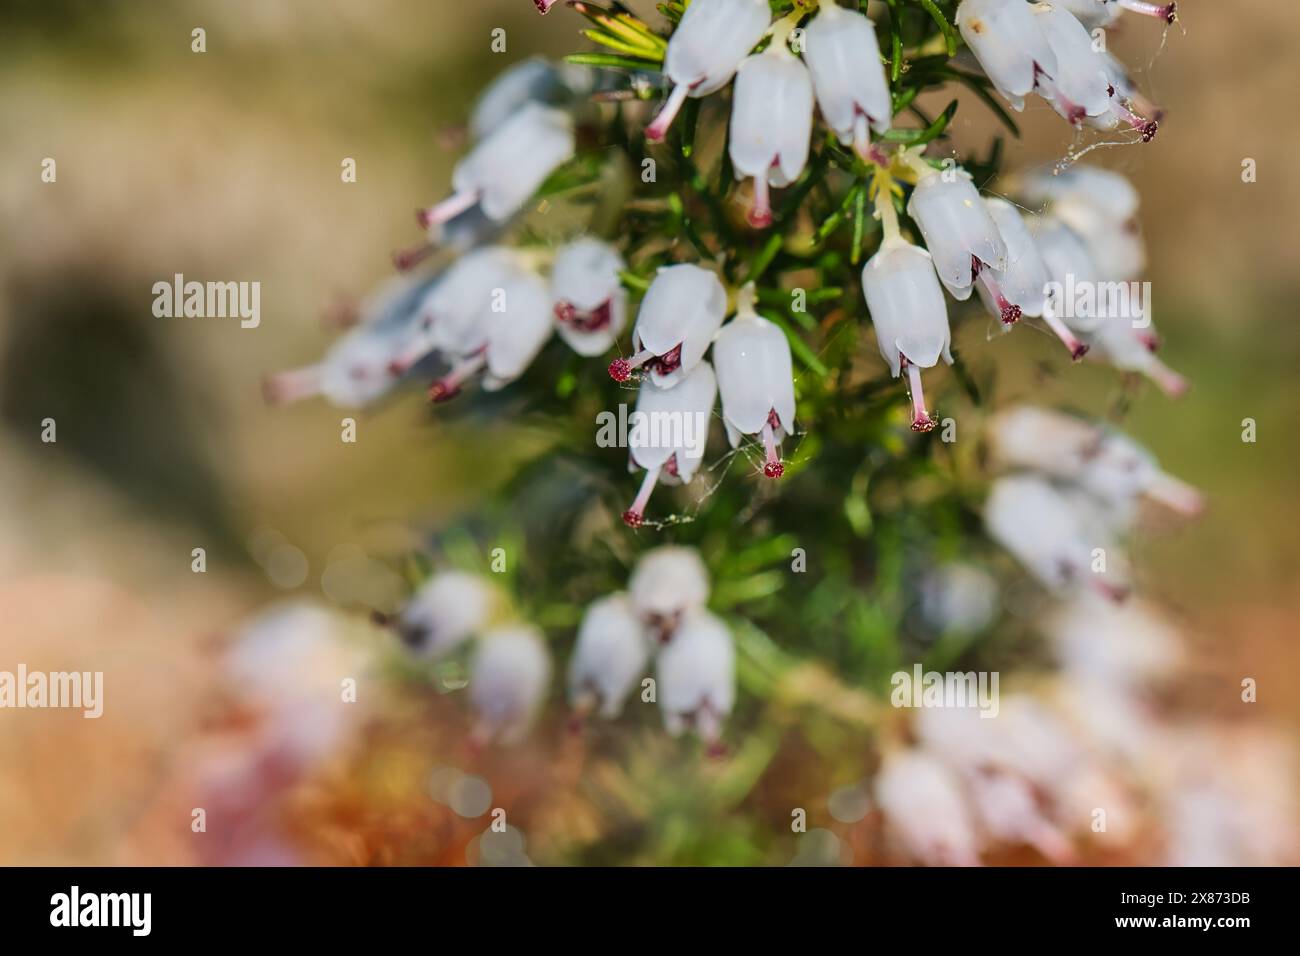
1149,130
406,259
1010,314
633,519
620,370
1115,593
658,128
577,721
1079,350
442,391
774,469
424,217
544,6
716,750
760,215
396,368
923,423
760,219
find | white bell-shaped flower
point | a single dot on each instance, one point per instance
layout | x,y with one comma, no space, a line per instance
1070,269
357,369
1020,288
1005,37
445,612
771,124
1079,88
842,54
909,315
509,676
670,430
680,314
696,677
610,656
534,80
756,381
453,315
1120,343
503,171
1058,537
590,301
705,51
498,328
925,814
959,232
667,583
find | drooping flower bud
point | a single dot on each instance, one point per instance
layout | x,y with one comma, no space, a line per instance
680,314
1057,535
771,123
1005,37
925,814
1079,88
590,301
670,433
1130,348
666,584
1069,266
610,656
534,80
1105,463
1021,288
705,51
508,680
756,381
503,171
909,315
696,674
356,370
842,54
446,611
958,230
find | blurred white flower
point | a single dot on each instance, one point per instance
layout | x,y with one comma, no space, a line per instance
590,302
1056,535
771,123
671,434
1128,648
508,681
1105,463
289,664
705,51
1130,348
1005,37
960,598
924,811
842,54
909,316
680,314
534,80
756,381
446,611
667,583
503,171
611,654
696,677
356,370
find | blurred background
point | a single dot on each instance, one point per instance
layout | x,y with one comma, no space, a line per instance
226,165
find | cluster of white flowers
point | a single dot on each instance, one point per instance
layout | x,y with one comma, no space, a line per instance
662,614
